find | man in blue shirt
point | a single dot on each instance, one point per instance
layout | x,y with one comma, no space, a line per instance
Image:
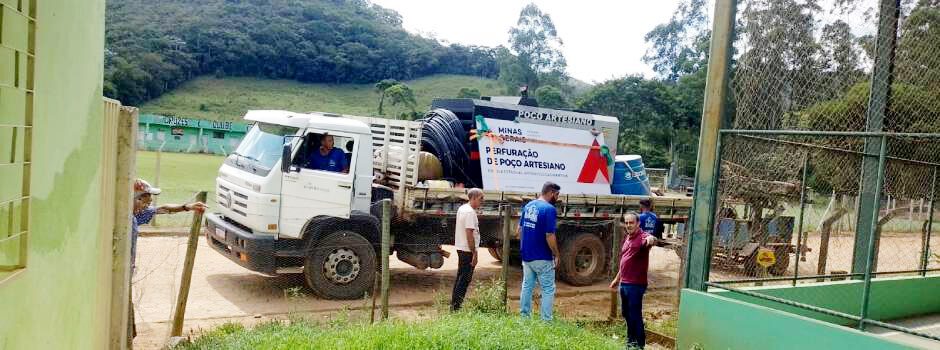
539,250
649,222
327,157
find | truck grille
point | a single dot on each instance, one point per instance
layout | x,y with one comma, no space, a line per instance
237,202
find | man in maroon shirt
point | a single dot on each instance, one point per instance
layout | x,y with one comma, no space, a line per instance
631,277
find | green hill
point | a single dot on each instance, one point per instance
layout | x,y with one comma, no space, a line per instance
229,98
154,46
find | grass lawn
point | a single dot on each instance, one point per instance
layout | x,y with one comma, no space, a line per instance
465,330
181,176
228,98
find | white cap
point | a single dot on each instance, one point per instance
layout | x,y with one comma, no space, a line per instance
142,187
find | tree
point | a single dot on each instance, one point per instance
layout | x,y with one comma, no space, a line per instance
842,66
466,92
402,94
550,97
919,46
677,46
536,58
646,112
382,88
778,72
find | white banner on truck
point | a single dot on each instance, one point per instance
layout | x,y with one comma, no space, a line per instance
523,156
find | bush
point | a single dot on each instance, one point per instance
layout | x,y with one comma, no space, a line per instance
487,297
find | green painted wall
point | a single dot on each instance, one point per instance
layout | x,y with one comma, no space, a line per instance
711,321
175,134
60,301
891,298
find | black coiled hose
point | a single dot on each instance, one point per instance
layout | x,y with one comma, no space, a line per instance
444,136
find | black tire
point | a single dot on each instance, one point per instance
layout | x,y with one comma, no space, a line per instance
341,265
583,259
496,253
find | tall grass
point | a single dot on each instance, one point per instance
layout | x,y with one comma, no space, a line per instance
465,330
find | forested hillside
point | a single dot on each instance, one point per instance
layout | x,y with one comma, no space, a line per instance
154,46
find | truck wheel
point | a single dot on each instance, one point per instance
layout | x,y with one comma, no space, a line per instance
340,266
496,253
514,258
583,259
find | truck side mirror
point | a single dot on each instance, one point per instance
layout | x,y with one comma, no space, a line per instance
285,158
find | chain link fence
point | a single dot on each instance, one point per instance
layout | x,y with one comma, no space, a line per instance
830,152
341,270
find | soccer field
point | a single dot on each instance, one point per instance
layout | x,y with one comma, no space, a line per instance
182,175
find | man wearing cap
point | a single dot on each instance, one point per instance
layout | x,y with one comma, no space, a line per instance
143,213
327,157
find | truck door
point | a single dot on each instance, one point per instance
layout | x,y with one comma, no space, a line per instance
321,182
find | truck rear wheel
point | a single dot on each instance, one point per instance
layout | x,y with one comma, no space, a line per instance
340,266
583,259
496,253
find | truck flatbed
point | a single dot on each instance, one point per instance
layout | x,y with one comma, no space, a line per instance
672,208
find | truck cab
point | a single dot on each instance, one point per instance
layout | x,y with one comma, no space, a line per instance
284,188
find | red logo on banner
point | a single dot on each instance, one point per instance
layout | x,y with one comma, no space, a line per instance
594,170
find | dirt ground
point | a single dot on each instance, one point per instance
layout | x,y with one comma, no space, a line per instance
896,252
222,291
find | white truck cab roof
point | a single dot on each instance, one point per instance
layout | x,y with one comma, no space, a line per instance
316,120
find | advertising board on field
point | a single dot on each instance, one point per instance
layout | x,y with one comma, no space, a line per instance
520,156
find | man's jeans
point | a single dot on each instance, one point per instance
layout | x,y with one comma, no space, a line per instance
544,272
631,306
464,275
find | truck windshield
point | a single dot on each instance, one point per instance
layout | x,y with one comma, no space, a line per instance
261,148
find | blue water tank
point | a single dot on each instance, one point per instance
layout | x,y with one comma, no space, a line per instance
630,176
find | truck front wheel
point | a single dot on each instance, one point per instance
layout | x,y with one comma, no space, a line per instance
340,266
583,259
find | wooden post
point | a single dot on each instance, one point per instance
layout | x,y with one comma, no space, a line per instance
185,281
156,183
504,273
375,288
386,248
614,265
125,165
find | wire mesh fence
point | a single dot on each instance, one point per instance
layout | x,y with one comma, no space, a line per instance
829,155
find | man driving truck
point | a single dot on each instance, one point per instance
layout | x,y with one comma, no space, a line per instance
327,157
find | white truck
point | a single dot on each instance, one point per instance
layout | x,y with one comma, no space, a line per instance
276,216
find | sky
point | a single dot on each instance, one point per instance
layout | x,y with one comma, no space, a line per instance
603,39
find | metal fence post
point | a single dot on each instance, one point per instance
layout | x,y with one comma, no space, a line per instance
879,183
925,255
614,265
386,247
882,74
185,281
799,226
504,272
706,173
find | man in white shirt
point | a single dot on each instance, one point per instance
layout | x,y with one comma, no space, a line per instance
466,240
